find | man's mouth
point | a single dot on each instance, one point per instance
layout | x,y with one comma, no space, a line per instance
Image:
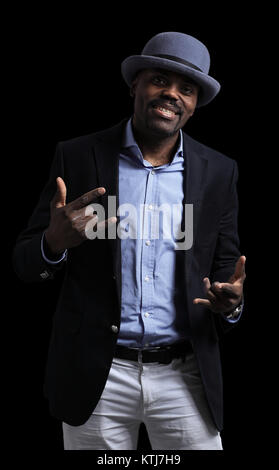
165,111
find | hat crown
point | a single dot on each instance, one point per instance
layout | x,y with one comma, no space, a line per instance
179,45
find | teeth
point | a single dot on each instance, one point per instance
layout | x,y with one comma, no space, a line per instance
166,111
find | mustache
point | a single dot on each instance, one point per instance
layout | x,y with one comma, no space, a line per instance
168,104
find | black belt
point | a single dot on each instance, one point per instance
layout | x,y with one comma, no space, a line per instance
164,354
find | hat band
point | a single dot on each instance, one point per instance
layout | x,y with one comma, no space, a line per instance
177,59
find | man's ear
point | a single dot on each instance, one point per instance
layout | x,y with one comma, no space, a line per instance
133,88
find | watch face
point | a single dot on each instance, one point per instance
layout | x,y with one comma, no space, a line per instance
235,312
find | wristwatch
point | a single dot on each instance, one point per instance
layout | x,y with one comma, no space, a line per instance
235,312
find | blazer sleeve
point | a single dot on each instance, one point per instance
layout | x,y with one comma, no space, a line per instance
227,247
28,262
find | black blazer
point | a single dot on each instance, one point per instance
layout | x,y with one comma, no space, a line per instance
83,341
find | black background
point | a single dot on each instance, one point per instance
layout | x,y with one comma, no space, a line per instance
64,81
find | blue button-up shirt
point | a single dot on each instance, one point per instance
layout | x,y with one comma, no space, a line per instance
153,310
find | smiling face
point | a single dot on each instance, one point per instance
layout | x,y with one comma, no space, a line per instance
164,101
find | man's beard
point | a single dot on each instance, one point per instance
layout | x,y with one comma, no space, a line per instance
161,131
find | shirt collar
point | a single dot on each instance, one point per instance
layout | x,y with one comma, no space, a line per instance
130,142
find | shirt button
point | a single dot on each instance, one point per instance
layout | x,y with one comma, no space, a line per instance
146,314
147,242
146,278
114,328
150,207
152,172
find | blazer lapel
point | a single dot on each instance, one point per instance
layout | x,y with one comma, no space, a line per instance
106,154
196,165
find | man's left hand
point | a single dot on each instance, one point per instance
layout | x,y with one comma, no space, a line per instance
223,297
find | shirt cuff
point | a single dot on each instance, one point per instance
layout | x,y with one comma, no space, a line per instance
63,255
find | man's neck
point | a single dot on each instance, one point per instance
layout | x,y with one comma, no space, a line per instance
157,151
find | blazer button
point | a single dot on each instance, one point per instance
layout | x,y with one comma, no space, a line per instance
113,277
45,274
114,328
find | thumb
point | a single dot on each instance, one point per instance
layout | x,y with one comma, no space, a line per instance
239,273
59,199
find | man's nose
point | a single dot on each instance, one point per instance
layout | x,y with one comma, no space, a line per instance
170,92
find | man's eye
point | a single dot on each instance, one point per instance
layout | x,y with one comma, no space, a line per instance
187,90
159,81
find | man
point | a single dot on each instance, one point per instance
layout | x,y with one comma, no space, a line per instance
135,332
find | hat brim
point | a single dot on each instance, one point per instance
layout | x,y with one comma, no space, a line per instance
133,64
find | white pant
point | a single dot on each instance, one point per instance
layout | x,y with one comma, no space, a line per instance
168,398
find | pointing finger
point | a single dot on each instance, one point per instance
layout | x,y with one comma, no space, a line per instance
105,223
204,302
86,198
92,230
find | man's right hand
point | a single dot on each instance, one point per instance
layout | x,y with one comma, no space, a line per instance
68,221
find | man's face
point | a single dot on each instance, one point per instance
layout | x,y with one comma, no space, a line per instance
164,101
